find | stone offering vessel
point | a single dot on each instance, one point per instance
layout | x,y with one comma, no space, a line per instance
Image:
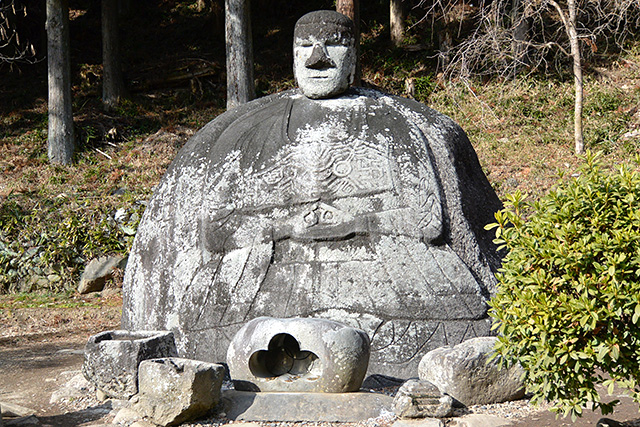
301,355
326,201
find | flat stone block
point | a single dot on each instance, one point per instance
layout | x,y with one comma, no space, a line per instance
479,420
311,407
422,422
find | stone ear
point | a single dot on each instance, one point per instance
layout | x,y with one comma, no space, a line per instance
352,72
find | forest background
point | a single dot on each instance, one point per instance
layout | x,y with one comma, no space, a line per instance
516,104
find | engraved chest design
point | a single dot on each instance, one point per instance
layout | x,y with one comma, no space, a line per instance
328,169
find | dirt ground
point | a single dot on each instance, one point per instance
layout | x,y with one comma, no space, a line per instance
41,349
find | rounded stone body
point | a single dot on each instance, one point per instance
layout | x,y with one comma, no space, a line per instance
366,209
111,358
302,355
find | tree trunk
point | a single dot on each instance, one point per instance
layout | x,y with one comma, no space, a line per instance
396,21
351,8
60,136
577,74
521,28
112,82
240,87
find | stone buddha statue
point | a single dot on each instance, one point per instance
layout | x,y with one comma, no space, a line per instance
325,201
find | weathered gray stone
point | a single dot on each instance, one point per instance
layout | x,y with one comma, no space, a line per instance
175,390
311,355
9,409
466,374
111,358
423,422
78,386
421,399
364,208
97,272
324,53
479,420
608,422
126,416
311,407
29,421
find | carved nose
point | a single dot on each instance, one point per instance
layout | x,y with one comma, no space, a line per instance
319,59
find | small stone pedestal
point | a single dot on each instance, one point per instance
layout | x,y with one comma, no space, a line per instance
111,358
307,407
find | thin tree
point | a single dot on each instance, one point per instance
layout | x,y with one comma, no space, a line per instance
511,35
113,88
396,21
351,8
239,47
569,23
60,135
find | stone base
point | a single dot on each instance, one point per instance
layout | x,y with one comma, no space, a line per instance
311,407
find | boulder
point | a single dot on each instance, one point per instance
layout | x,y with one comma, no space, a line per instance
175,390
465,373
97,272
111,358
78,386
421,399
126,416
302,355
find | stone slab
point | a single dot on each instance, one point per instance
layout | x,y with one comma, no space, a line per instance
480,420
14,410
310,407
423,422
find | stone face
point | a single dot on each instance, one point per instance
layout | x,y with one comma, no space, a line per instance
365,208
175,390
310,407
111,358
421,399
466,374
97,272
324,54
302,355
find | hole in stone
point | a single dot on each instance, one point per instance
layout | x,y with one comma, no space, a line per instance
282,357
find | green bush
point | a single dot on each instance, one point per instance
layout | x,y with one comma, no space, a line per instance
53,239
568,301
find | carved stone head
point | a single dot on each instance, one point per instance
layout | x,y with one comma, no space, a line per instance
324,54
